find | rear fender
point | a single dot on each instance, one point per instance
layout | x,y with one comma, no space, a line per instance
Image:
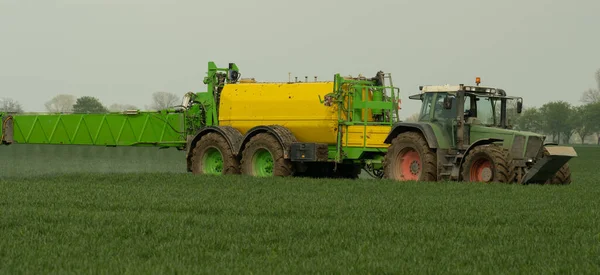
231,135
424,129
547,166
283,135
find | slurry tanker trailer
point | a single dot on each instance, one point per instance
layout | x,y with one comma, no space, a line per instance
321,129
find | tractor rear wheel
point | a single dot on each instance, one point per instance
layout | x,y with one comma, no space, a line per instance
488,163
562,177
263,157
409,158
212,156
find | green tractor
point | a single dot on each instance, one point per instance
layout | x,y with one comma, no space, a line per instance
463,133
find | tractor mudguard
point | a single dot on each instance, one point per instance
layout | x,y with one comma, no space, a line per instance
283,135
402,127
232,135
547,166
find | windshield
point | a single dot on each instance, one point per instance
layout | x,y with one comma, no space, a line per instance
485,111
488,109
511,111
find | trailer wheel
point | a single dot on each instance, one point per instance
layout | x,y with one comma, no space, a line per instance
263,157
488,163
212,156
409,158
563,176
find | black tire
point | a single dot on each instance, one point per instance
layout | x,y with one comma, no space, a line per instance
562,177
214,141
421,164
264,141
488,163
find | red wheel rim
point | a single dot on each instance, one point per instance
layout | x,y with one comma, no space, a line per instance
481,170
409,165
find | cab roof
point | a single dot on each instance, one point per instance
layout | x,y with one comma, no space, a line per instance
473,90
460,87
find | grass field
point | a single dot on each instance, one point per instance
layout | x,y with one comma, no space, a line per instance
65,210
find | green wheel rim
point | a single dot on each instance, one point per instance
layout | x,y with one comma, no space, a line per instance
262,163
212,164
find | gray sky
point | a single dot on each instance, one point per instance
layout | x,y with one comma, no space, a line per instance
123,51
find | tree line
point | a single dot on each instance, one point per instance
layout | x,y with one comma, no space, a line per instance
66,103
563,122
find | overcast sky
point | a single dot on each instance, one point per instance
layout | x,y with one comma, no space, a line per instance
123,51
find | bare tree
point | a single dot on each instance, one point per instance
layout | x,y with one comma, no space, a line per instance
10,106
121,107
592,95
60,104
164,100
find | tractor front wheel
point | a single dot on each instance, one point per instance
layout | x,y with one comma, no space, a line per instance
488,163
263,157
409,158
212,156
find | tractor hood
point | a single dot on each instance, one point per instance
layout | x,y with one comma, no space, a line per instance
522,143
503,132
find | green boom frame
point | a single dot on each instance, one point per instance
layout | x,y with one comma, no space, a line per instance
162,129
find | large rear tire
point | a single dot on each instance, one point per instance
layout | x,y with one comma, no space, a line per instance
212,156
488,163
409,158
263,157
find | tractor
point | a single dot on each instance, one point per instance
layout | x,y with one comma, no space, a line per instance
464,133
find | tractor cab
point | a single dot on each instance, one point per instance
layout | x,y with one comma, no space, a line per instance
480,105
458,109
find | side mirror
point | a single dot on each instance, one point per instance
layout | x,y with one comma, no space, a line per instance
448,103
416,97
519,107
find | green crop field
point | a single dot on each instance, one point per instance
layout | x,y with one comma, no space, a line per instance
135,210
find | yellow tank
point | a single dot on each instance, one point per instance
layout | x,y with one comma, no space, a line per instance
295,106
